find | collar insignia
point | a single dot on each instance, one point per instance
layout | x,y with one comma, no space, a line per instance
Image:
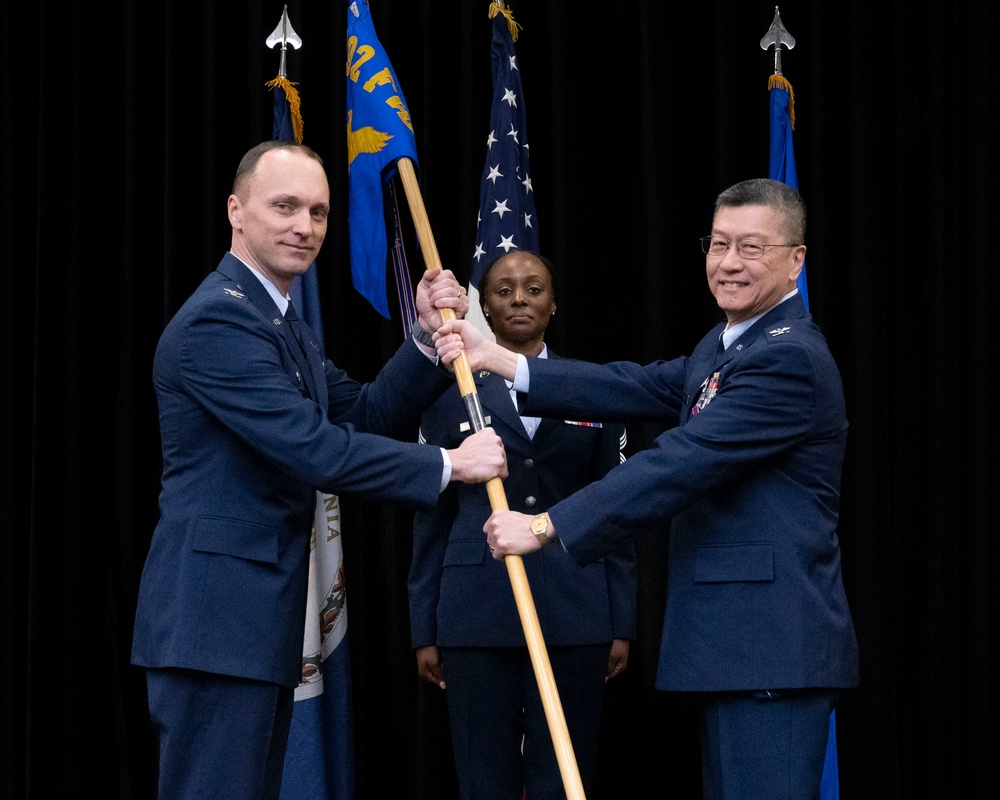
234,293
779,331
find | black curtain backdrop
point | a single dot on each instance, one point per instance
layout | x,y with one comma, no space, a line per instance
122,127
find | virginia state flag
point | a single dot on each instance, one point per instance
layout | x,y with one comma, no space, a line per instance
379,132
507,218
319,758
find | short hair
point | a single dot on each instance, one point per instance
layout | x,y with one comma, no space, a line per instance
773,194
481,286
250,159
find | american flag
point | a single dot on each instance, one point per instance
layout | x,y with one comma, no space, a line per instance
507,219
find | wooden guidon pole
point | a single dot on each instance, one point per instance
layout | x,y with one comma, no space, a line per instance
498,500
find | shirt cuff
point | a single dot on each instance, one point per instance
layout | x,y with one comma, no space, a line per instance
521,376
446,472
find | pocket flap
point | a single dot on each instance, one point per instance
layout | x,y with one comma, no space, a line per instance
735,562
236,537
466,552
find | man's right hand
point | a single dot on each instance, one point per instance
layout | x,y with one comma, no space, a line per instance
457,335
479,458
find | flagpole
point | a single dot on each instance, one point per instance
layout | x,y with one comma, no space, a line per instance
498,500
319,757
781,167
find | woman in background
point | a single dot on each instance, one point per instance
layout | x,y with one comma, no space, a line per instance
464,623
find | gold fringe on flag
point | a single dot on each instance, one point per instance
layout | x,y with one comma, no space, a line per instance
499,7
294,103
781,81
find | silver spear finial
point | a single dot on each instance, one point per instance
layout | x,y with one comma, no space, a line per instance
284,35
777,35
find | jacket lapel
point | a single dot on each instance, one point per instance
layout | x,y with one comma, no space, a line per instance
494,396
310,367
708,359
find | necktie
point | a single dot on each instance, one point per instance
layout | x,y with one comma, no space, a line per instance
297,327
530,423
303,337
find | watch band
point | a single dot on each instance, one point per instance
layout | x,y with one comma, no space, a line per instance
421,335
539,527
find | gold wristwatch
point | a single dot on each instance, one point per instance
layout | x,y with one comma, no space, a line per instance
539,526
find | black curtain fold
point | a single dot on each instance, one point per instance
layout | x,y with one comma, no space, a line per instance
122,124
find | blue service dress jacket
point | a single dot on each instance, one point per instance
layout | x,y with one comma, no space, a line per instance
460,596
748,474
252,425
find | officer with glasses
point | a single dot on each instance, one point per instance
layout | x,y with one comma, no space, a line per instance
746,480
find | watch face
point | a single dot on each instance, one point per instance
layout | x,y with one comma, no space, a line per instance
539,525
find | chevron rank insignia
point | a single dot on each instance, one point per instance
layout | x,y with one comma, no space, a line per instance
779,331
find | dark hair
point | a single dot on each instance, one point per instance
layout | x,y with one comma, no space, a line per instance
249,161
774,194
481,286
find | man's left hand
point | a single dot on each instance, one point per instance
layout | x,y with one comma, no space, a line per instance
509,533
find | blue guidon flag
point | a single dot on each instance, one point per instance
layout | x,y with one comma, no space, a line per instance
379,132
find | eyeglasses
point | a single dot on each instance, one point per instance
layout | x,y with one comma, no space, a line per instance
717,247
